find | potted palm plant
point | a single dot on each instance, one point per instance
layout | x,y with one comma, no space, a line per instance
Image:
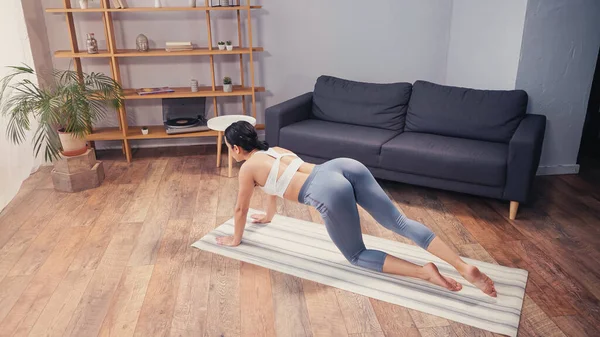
65,108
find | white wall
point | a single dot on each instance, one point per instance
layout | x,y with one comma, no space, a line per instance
16,162
485,43
387,41
560,48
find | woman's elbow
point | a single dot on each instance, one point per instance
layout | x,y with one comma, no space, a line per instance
241,210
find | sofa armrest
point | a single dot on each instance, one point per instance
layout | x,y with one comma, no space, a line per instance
286,113
524,151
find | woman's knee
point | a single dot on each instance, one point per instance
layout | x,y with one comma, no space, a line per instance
414,230
368,259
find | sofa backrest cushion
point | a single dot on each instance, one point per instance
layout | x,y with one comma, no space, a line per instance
490,115
377,105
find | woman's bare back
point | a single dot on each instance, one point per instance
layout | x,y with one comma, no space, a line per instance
261,164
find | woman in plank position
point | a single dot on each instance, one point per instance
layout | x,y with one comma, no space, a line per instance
334,188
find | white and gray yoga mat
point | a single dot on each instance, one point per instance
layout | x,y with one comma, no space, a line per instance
303,249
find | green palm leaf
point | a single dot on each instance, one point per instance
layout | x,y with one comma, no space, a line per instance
71,101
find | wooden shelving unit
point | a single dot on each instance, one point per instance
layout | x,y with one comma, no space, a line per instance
156,52
124,132
147,9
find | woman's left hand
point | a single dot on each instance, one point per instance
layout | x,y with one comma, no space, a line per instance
228,241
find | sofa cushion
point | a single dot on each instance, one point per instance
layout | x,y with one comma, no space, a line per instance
459,159
331,140
376,105
491,115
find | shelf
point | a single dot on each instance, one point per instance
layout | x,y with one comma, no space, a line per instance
81,54
105,134
148,9
202,92
197,51
158,132
75,10
155,52
180,9
155,132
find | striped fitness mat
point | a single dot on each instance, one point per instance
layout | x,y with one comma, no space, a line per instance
303,249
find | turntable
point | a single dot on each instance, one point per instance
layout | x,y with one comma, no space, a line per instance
183,115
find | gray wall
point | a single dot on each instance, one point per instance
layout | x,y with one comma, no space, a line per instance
485,43
560,46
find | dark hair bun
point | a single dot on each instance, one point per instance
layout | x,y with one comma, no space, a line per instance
243,134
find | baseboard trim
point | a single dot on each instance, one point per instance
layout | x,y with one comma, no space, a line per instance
558,169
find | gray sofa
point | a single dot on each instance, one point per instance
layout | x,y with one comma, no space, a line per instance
480,142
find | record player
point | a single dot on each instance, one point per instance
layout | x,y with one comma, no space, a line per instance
183,115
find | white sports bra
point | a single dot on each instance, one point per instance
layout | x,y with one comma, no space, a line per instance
275,186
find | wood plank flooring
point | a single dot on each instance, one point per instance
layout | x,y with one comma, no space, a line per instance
117,261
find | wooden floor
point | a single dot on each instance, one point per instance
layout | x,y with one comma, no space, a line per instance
117,261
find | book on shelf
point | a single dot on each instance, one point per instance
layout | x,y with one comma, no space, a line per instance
178,49
178,44
118,4
153,91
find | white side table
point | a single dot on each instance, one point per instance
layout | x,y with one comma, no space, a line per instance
221,123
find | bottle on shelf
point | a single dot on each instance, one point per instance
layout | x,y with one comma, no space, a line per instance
92,44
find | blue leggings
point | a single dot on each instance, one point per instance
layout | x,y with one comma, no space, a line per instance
334,188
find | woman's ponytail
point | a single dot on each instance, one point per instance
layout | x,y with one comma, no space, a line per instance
262,145
243,134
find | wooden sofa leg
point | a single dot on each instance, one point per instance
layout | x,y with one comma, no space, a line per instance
514,207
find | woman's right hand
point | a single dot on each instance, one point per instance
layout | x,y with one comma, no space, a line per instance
260,218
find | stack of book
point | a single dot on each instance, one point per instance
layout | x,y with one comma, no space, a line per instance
119,4
179,46
154,91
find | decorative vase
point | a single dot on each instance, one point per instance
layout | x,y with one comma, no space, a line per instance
157,4
142,43
194,86
83,4
91,44
224,3
192,3
71,145
229,47
227,87
221,47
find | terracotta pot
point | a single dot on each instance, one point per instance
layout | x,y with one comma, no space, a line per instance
72,146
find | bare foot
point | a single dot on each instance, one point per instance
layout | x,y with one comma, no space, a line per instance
433,275
480,280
